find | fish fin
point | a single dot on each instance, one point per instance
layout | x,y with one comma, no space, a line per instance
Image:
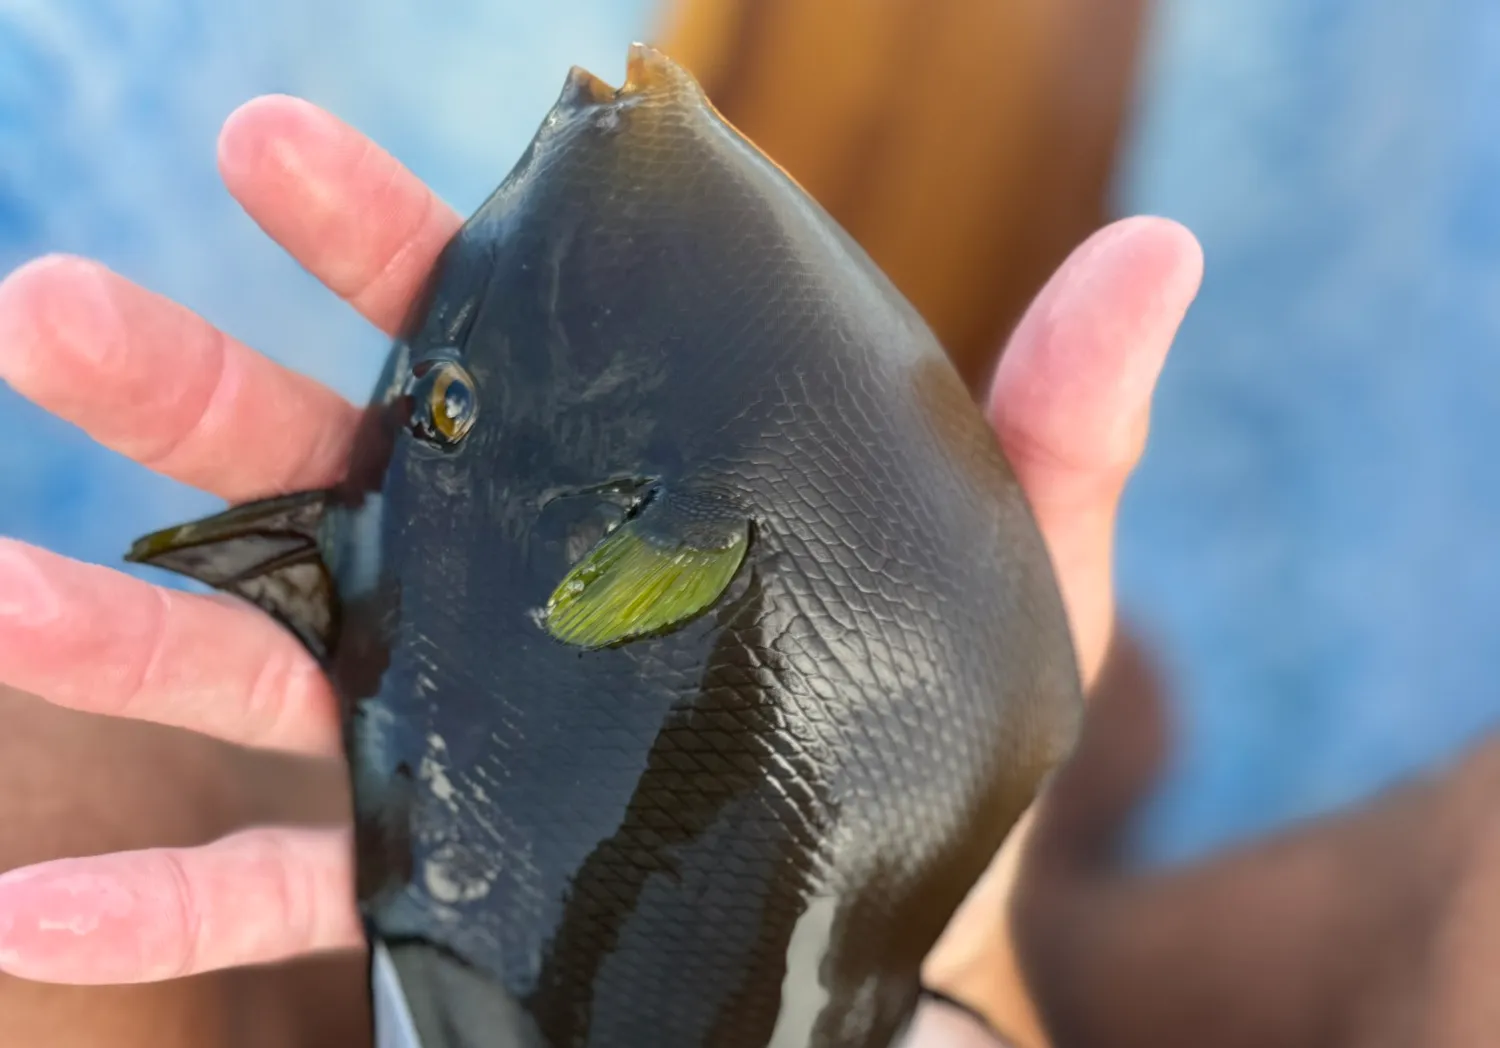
266,552
424,997
665,565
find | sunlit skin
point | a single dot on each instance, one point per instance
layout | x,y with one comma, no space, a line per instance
1070,403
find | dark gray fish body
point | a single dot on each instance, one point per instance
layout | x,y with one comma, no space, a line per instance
741,819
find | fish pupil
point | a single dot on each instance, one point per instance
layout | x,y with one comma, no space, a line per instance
458,401
444,402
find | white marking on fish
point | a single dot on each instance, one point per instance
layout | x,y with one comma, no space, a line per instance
803,995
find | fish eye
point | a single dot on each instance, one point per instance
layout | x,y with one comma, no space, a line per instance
444,403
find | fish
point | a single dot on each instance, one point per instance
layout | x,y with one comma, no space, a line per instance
696,646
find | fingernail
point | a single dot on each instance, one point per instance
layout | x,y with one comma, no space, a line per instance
81,313
1169,257
56,311
1107,329
51,918
25,594
271,131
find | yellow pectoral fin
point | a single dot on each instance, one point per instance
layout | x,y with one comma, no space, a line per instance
648,575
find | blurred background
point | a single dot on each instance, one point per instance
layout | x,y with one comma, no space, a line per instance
1313,544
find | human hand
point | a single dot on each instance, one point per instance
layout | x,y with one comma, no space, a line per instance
1375,926
151,381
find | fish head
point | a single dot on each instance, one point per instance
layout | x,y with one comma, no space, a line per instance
696,643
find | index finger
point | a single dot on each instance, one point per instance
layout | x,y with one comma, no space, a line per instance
346,209
155,382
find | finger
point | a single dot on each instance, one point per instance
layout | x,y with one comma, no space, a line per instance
1322,927
93,639
1070,403
257,897
342,206
1069,839
1071,399
1082,823
153,381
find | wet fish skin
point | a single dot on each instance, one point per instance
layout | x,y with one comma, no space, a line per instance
744,831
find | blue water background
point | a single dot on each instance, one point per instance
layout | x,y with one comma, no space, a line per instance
1315,534
1315,537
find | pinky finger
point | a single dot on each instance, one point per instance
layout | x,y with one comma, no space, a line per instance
256,897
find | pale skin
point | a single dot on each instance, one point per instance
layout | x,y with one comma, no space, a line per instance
1070,402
